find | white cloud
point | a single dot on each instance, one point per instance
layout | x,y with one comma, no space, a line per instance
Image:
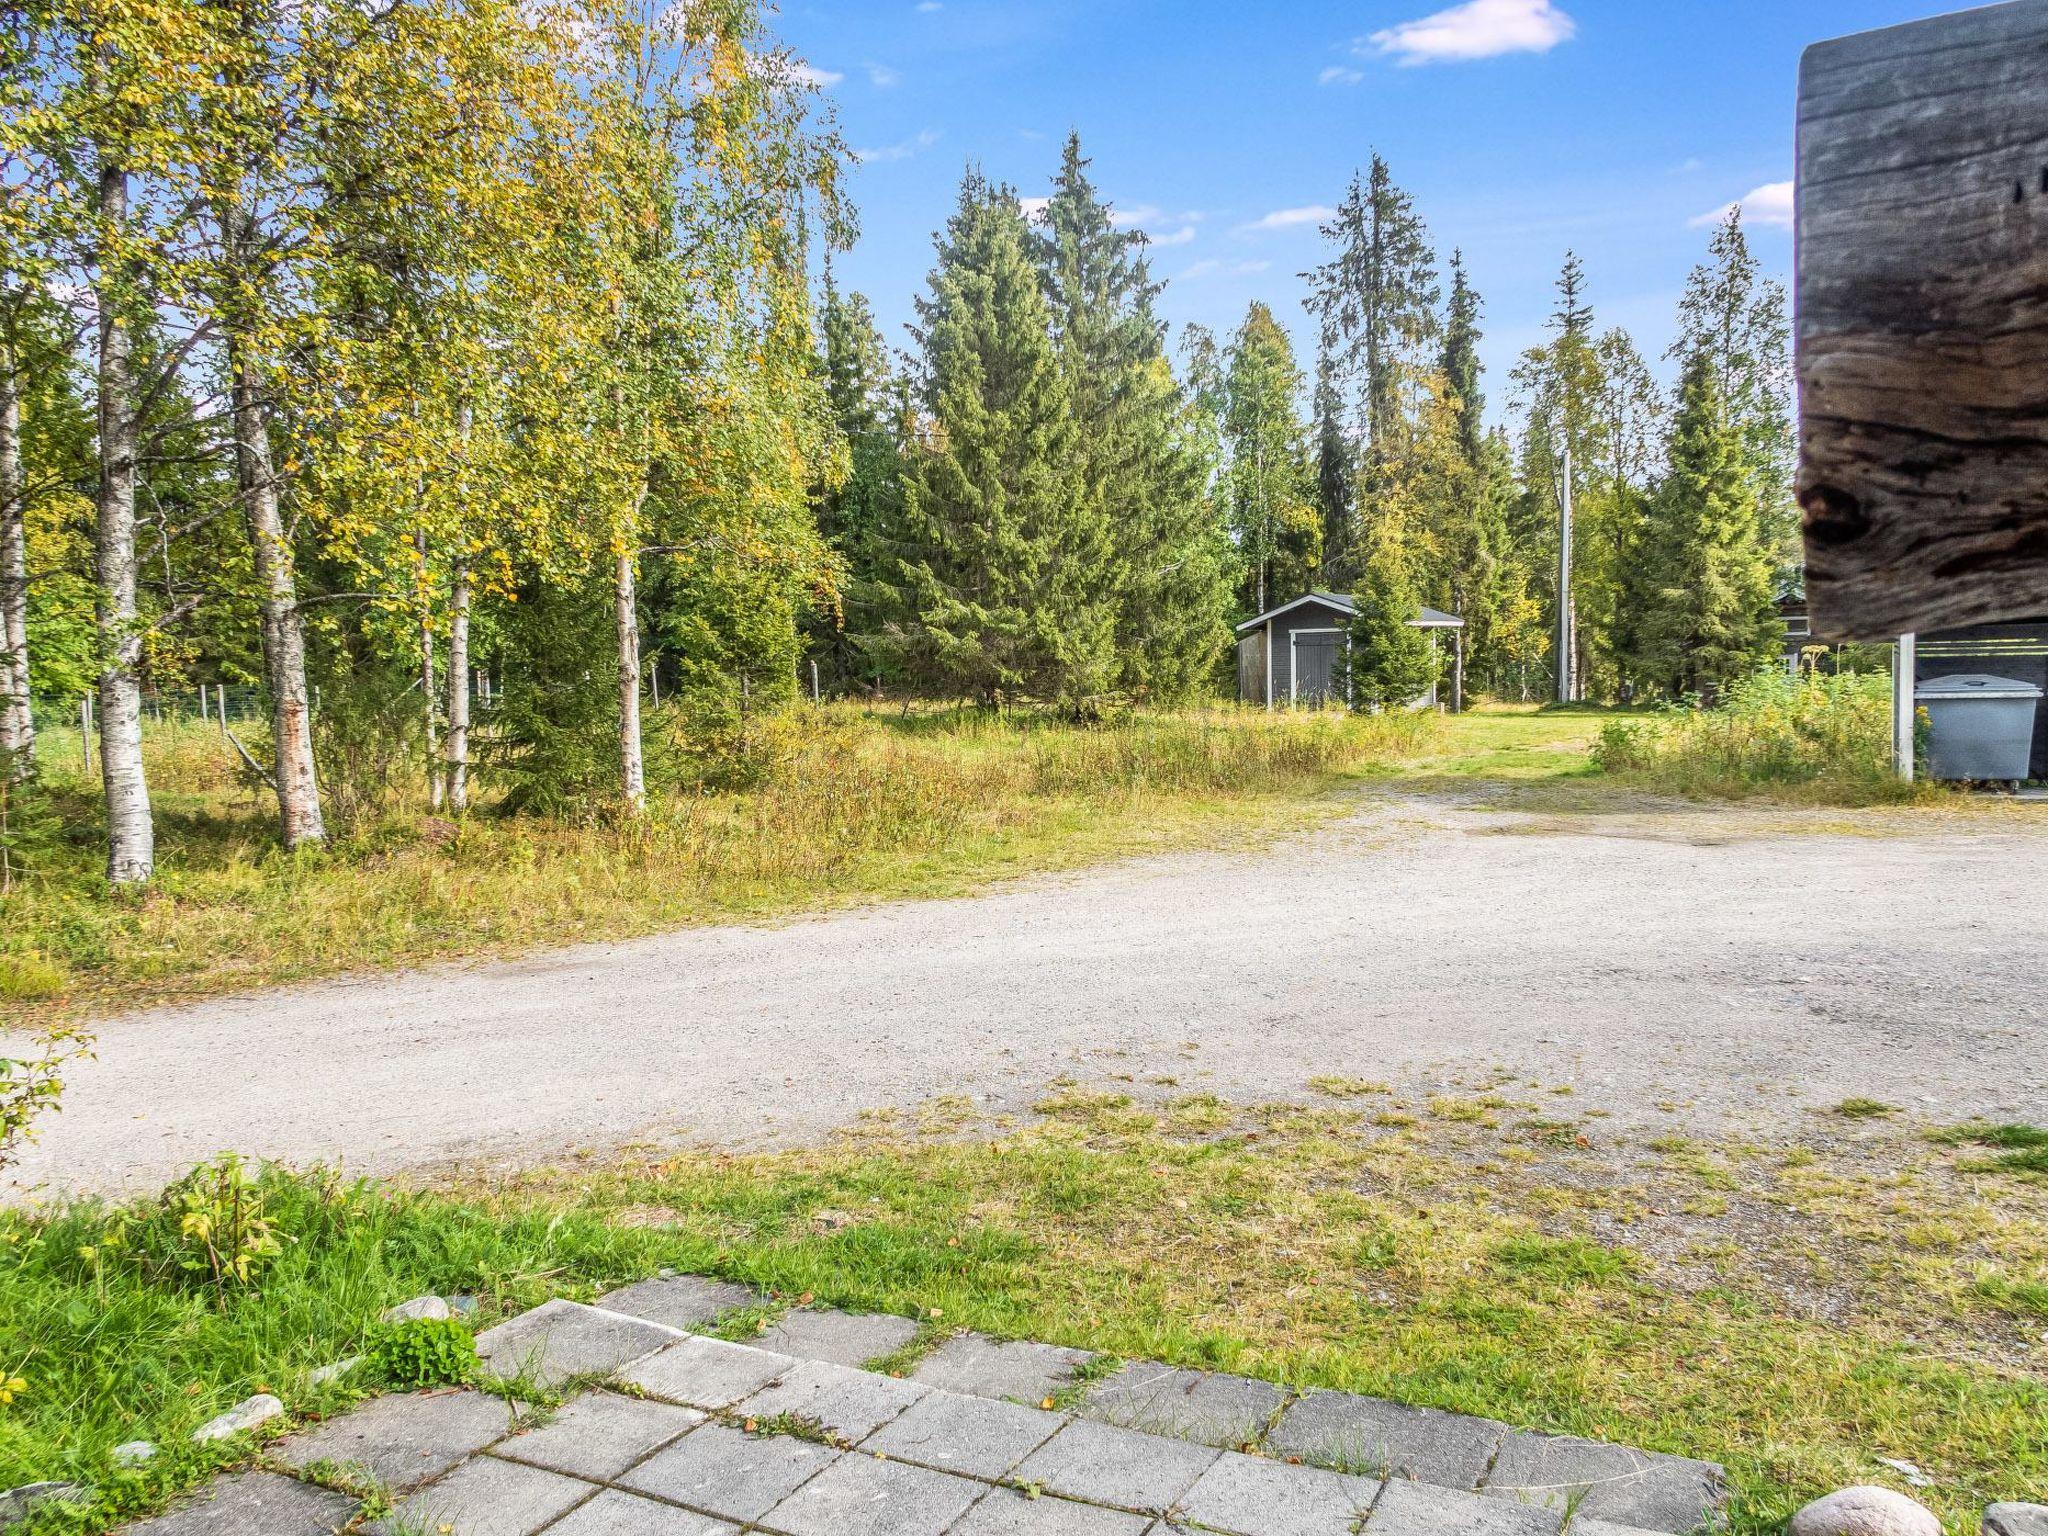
1768,207
926,7
881,76
1224,269
1183,236
1034,207
1289,218
908,149
1340,74
1124,218
1478,29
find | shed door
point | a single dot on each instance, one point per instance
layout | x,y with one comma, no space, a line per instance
1316,674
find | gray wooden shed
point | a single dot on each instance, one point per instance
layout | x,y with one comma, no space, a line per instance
1293,654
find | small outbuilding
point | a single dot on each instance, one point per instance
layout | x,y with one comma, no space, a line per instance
1294,654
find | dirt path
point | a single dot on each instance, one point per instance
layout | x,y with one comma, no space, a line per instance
1708,968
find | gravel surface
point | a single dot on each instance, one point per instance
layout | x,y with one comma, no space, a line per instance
1727,970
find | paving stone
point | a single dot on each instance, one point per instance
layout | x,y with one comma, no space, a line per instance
245,1415
1421,1509
841,1338
559,1339
1248,1496
486,1497
965,1434
264,1502
1608,1482
1189,1405
1368,1434
724,1472
865,1496
613,1513
688,1302
1107,1465
600,1434
1605,1528
1005,1512
706,1373
405,1439
848,1404
985,1367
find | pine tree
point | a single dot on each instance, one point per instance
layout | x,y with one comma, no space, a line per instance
1004,582
1142,464
1274,521
1706,573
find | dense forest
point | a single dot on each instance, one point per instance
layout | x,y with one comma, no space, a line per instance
468,382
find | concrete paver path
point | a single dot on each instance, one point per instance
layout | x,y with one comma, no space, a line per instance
1750,966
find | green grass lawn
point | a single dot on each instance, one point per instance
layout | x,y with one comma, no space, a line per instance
1793,1311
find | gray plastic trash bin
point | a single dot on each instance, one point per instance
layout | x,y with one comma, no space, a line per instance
1981,727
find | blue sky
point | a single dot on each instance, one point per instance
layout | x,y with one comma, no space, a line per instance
1522,127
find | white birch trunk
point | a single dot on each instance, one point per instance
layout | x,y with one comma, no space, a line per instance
632,769
284,633
17,724
131,837
436,785
458,688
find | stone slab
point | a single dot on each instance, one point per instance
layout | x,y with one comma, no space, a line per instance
848,1404
688,1302
970,1435
1421,1509
1188,1405
1606,1482
613,1513
1370,1435
255,1501
724,1472
1107,1465
984,1367
1005,1512
865,1496
600,1434
405,1439
706,1373
486,1497
560,1339
840,1338
1248,1496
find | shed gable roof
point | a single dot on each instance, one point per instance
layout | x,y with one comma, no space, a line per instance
1341,603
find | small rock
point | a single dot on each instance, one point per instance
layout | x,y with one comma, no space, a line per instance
246,1414
2016,1520
1914,1477
1864,1512
463,1304
132,1453
16,1503
418,1307
326,1373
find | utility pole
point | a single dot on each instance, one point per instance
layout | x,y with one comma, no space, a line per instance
1567,609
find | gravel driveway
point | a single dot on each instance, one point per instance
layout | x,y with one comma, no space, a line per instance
1722,969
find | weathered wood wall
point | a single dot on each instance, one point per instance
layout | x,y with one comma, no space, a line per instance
1923,323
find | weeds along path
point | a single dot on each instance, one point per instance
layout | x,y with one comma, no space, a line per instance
1698,968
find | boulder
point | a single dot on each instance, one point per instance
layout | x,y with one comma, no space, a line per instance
2016,1520
418,1307
1864,1512
245,1415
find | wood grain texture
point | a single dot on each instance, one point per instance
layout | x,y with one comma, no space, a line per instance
1923,323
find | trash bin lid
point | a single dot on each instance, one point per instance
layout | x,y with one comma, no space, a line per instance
1976,685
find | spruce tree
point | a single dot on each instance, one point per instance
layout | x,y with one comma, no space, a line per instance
1333,458
1706,573
1004,582
1143,462
856,514
1392,662
1459,361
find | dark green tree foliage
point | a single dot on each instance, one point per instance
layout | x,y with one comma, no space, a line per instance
1392,662
1378,298
1005,582
1333,457
1144,465
857,515
1268,488
1706,578
1459,362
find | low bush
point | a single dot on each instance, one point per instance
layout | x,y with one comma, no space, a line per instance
421,1352
1821,738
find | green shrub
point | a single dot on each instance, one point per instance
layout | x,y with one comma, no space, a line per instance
421,1352
219,1224
1829,738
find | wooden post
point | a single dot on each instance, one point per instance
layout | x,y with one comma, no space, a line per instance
1905,711
1923,335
